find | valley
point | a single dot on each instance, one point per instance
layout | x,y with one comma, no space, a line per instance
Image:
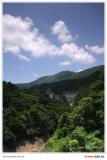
58,116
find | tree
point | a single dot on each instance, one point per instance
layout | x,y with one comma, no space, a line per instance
93,143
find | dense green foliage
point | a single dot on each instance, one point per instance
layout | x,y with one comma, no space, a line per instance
28,114
81,130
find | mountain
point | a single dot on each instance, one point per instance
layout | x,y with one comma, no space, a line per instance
48,79
70,84
72,90
61,76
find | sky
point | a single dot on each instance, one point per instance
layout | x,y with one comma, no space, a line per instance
45,38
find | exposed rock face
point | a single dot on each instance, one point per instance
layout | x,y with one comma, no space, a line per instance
51,95
67,96
54,96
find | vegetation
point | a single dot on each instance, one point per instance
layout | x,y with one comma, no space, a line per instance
81,130
27,115
30,113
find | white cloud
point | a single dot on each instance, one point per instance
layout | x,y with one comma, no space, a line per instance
61,30
12,49
77,53
35,75
65,63
21,35
22,57
96,49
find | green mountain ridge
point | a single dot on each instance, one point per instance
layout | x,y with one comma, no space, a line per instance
64,75
69,85
48,79
77,85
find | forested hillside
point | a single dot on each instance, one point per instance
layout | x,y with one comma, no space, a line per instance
30,113
26,115
81,130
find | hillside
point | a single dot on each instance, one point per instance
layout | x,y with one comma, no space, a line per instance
82,129
27,115
72,90
64,75
71,84
31,114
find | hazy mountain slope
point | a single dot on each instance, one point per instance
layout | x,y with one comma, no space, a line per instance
71,84
54,78
48,79
87,72
64,75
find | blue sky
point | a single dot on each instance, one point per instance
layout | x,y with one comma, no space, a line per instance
43,39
